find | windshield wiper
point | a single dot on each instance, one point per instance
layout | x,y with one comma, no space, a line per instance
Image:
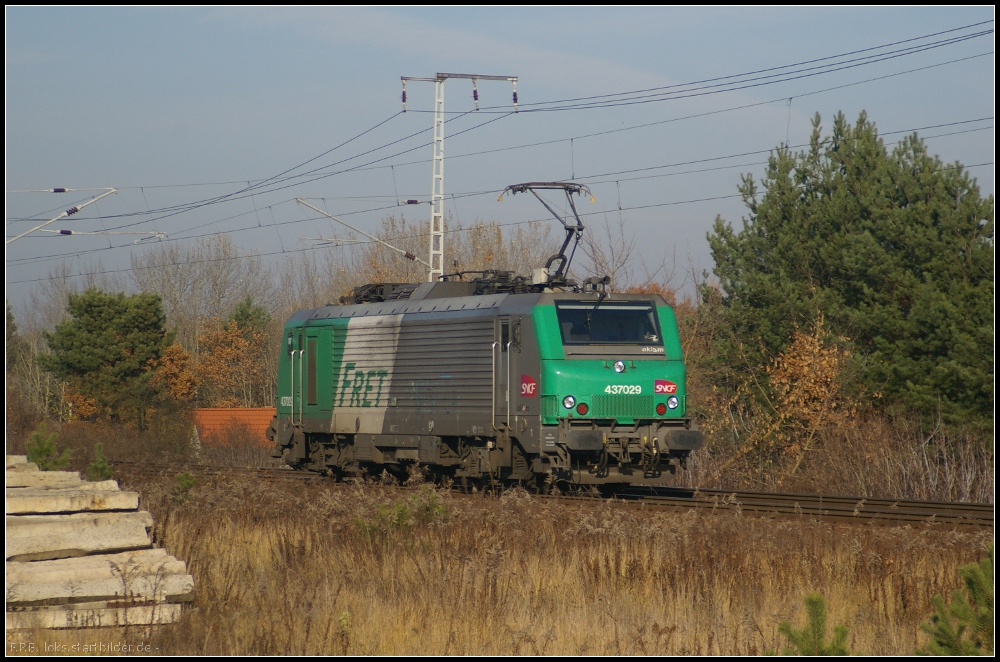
601,297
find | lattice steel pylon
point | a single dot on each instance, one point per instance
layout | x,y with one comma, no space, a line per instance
437,187
436,244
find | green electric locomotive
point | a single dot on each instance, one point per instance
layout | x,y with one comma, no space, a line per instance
490,377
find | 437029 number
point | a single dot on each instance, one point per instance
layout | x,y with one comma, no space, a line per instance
624,389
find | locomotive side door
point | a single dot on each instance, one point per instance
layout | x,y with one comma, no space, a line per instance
297,345
501,373
315,397
308,355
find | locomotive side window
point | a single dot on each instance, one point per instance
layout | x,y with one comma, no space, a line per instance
600,323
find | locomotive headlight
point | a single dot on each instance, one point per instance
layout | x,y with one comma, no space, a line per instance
672,402
569,401
619,366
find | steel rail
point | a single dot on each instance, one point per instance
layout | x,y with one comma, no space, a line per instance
818,505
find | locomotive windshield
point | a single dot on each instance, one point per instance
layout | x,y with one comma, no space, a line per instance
605,322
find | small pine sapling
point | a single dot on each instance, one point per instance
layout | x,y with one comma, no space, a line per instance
100,468
185,482
811,640
965,626
41,449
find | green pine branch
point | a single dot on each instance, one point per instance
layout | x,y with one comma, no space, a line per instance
100,468
965,625
41,449
811,640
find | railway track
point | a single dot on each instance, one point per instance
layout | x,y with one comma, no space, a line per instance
172,470
897,512
818,506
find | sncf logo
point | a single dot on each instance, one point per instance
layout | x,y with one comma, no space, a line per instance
663,386
529,387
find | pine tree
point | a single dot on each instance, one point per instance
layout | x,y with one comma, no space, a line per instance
811,640
108,350
250,317
965,626
893,249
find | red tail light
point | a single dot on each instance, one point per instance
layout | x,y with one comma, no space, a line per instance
661,409
582,409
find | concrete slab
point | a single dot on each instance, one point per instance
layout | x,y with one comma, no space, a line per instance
134,583
76,578
92,615
43,537
91,567
22,465
23,500
82,485
42,478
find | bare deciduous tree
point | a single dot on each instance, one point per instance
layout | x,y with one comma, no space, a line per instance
518,248
48,300
312,279
318,278
375,263
609,250
201,282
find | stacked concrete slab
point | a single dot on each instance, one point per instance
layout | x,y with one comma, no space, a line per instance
78,554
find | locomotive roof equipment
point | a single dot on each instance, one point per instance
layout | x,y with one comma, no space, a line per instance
573,232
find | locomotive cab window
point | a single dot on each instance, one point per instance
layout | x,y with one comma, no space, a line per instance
608,323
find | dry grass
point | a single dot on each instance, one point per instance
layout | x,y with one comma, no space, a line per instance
170,439
869,456
295,568
795,428
317,569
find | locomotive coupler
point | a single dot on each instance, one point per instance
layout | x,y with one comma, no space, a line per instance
650,457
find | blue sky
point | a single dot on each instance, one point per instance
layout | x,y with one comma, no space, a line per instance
177,105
